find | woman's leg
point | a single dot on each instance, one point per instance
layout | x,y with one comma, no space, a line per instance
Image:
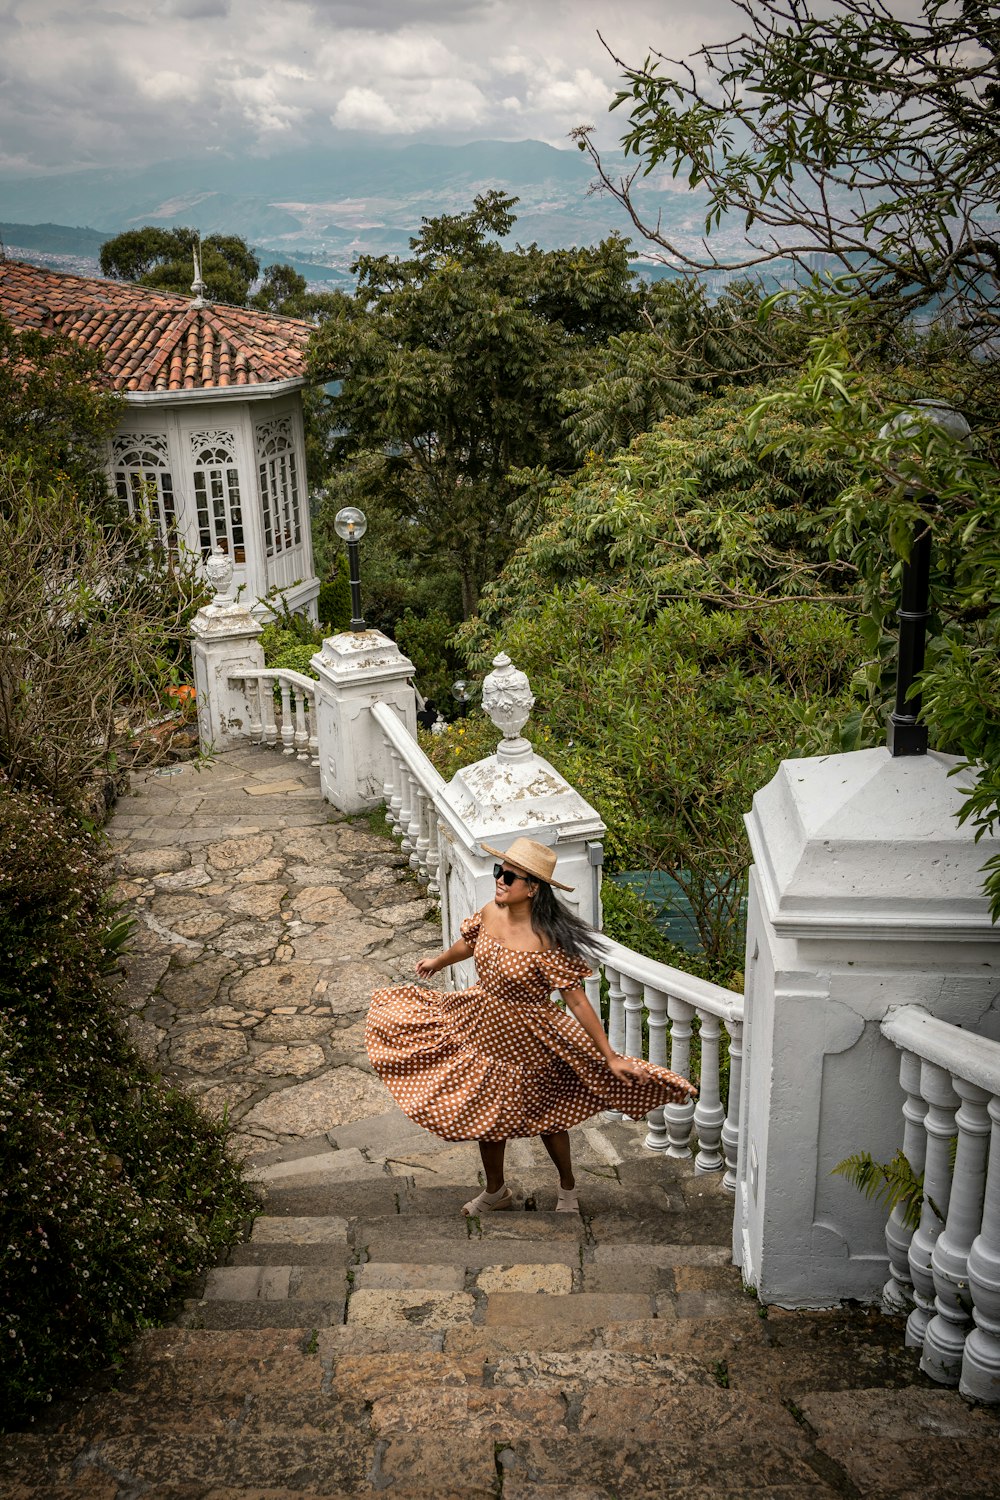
492,1153
557,1145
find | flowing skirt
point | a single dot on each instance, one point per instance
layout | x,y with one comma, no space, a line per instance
467,1065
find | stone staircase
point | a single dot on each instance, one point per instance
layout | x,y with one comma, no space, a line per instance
366,1339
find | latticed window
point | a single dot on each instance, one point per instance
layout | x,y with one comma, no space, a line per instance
279,486
140,461
217,494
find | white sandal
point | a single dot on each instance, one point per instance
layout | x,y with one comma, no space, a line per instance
568,1201
489,1202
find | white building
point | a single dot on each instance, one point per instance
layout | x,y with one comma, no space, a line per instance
212,423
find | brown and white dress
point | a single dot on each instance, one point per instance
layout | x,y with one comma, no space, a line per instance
503,1058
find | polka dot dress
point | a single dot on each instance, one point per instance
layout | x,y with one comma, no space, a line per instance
501,1059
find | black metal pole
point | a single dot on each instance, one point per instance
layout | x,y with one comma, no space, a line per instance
354,561
906,736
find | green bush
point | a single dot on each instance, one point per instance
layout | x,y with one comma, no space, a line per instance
116,1192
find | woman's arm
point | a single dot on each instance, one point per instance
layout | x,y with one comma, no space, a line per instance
453,955
621,1067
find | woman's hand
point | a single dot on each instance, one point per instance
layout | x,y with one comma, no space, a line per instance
629,1069
426,967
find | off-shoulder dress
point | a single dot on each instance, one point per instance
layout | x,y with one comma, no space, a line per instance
501,1059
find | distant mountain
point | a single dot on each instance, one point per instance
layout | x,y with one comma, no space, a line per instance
363,197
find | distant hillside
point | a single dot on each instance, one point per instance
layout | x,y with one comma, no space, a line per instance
363,198
61,239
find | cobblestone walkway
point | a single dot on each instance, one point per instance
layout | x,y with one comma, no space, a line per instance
266,920
366,1339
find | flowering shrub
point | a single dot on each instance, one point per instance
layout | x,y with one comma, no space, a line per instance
115,1192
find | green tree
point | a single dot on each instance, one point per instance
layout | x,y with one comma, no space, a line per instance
56,411
282,290
856,134
682,624
451,364
162,258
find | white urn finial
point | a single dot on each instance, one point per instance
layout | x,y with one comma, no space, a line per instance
219,572
508,701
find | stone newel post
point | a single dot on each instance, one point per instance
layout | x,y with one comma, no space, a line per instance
865,894
225,642
514,793
355,670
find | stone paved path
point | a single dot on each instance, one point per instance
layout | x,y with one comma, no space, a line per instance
366,1339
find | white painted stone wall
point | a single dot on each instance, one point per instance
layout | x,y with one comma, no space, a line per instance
865,894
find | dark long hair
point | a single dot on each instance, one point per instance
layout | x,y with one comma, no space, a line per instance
562,928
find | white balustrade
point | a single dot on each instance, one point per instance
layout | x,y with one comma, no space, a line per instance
412,787
297,729
951,1079
671,999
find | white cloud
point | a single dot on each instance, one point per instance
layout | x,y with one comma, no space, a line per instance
129,84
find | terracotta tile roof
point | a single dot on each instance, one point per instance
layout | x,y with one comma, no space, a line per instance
153,340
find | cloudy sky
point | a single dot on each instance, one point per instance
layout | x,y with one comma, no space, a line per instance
84,84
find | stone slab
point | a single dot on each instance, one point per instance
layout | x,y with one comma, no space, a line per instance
526,1279
328,1166
405,1276
338,1097
415,1308
583,1310
300,1230
247,1284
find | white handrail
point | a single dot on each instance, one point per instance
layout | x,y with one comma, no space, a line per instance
402,741
299,727
974,1058
701,993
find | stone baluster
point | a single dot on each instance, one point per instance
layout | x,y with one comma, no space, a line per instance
656,1005
897,1294
709,1114
313,746
287,726
424,810
592,990
616,1022
940,1128
679,1117
251,687
947,1330
632,990
268,719
408,797
394,810
433,851
301,729
414,827
980,1377
731,1129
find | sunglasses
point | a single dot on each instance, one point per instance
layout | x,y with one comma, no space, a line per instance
507,876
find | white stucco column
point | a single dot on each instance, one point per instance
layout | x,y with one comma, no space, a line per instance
226,641
514,793
355,670
865,894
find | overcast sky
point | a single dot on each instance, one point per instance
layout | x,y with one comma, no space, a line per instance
131,82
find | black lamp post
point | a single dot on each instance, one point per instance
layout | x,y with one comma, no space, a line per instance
461,694
350,524
906,735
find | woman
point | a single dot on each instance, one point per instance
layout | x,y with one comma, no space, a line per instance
503,1059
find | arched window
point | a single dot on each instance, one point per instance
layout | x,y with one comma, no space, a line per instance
140,462
279,486
217,494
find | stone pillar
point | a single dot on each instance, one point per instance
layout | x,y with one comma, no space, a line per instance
865,894
513,794
226,641
355,670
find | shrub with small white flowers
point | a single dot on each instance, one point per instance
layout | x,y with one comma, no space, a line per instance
114,1191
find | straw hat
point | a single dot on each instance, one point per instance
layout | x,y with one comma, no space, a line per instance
534,859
